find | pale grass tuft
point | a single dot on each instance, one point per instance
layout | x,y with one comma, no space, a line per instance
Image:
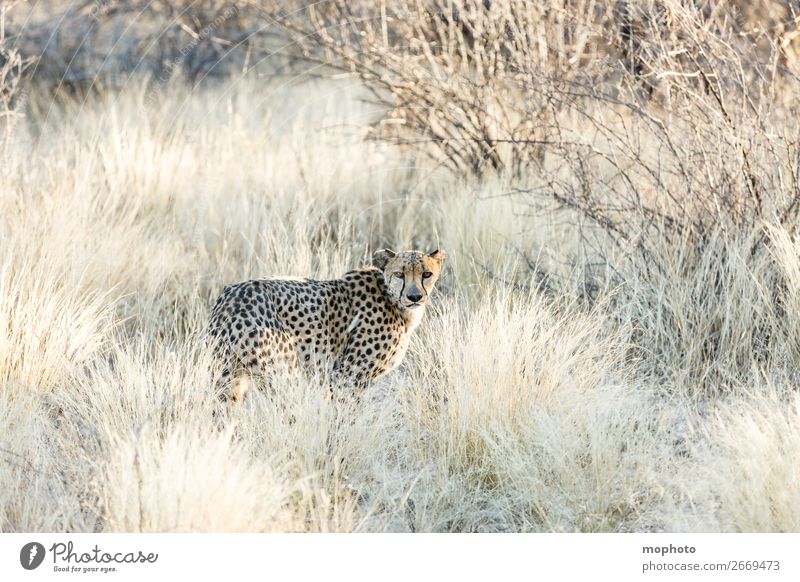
190,480
743,477
47,330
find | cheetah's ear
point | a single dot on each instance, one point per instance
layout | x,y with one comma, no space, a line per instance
383,256
439,255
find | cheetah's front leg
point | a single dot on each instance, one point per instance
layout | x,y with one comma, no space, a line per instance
367,356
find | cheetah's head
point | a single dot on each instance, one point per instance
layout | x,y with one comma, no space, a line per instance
410,275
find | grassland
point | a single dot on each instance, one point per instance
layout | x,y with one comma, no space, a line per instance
559,382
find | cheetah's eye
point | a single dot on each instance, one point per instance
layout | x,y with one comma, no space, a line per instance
398,274
427,275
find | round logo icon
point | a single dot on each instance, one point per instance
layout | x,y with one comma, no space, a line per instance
31,555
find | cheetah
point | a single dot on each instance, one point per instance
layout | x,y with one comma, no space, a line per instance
356,328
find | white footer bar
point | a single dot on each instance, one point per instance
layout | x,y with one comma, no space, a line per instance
408,557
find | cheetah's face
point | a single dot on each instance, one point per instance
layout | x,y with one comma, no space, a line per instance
410,275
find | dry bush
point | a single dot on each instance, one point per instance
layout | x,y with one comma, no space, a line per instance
84,45
12,66
652,119
459,75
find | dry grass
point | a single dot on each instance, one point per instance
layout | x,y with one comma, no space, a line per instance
513,412
614,345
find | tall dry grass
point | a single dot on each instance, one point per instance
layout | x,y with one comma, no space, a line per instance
517,409
613,347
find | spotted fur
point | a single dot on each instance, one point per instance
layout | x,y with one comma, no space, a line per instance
357,327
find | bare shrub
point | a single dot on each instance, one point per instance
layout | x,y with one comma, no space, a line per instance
458,74
97,44
657,117
12,66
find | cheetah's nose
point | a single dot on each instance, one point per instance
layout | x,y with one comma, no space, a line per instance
414,297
